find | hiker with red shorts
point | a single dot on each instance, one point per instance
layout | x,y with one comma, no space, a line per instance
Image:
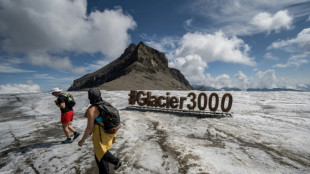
67,114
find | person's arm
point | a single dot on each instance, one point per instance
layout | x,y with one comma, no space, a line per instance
91,115
61,102
62,105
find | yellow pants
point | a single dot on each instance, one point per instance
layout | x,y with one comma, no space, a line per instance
105,143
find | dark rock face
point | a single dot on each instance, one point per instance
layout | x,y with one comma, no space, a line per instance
140,67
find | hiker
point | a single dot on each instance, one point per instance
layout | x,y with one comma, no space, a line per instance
102,141
67,114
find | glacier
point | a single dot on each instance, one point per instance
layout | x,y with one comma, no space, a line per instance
268,132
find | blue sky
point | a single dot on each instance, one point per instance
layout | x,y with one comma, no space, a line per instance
218,43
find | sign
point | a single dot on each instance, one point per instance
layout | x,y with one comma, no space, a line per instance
202,102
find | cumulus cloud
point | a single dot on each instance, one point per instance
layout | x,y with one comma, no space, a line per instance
262,79
209,47
268,22
196,50
242,81
59,26
215,47
219,81
19,88
293,83
192,66
302,41
266,79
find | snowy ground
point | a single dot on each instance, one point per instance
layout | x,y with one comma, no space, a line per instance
267,133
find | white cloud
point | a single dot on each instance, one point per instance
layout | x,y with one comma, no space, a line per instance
242,81
10,65
19,88
58,26
262,79
215,47
196,50
162,44
265,79
192,53
97,65
233,16
296,61
188,23
192,67
302,41
268,22
299,84
308,18
9,68
270,56
53,79
219,81
60,63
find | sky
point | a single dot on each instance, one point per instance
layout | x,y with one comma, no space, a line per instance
218,43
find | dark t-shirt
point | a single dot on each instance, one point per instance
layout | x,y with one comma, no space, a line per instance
63,99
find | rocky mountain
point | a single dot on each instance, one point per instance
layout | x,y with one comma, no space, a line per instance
140,67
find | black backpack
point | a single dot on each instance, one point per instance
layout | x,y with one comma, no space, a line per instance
70,100
111,118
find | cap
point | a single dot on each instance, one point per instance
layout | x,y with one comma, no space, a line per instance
55,90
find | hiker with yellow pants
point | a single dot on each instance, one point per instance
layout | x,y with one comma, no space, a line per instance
102,141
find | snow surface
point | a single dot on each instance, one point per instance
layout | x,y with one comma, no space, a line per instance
267,133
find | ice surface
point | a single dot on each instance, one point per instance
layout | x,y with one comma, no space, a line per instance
267,133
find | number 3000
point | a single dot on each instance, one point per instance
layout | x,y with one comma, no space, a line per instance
212,103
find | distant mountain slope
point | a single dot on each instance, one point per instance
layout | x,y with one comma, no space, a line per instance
139,67
273,89
208,88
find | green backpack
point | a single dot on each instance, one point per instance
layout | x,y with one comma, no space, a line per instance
70,100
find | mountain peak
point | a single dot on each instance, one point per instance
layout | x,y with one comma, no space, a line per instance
151,57
141,44
139,67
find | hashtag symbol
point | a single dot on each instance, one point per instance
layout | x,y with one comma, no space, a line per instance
132,97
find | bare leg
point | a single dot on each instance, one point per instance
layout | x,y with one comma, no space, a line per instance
65,127
71,128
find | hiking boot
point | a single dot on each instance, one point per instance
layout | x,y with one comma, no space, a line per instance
67,141
118,165
76,134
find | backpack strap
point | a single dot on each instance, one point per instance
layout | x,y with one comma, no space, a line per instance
100,126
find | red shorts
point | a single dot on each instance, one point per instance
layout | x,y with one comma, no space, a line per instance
67,117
